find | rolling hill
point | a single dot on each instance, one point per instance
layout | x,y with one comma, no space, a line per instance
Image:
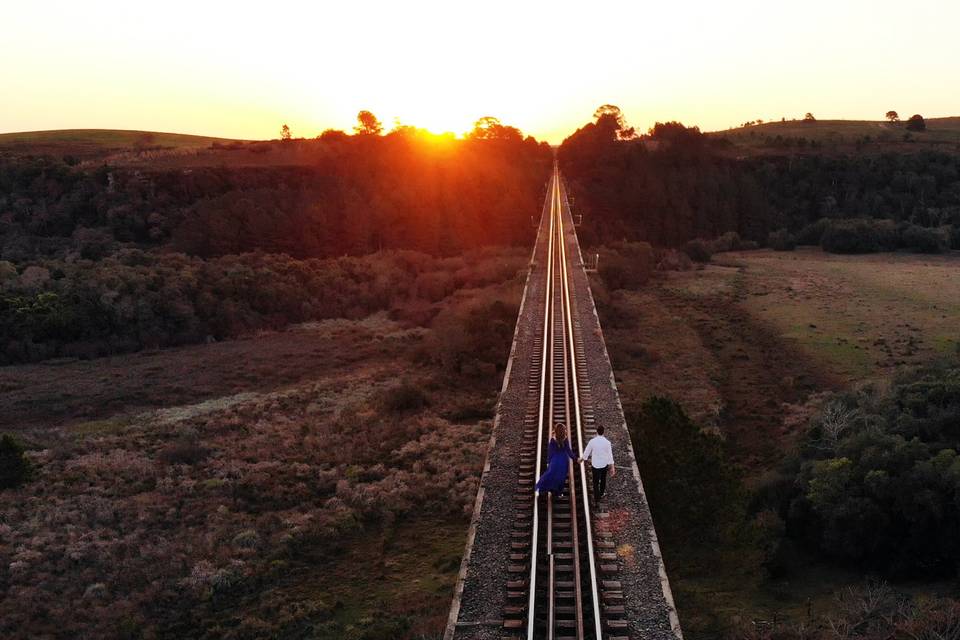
940,132
96,142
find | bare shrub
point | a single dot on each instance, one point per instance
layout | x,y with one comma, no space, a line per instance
865,612
698,250
927,240
811,234
405,397
626,265
468,338
931,619
14,466
835,421
417,313
730,241
434,286
186,450
781,240
247,539
860,235
673,260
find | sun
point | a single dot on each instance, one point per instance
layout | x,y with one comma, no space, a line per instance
435,120
436,111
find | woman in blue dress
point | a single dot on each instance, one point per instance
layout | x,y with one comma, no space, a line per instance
558,461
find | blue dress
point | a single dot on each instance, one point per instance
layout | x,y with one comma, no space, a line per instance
555,476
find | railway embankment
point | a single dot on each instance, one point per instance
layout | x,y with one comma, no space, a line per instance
634,588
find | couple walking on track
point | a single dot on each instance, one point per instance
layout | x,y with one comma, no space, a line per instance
598,450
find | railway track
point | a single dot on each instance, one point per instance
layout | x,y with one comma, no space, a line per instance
561,581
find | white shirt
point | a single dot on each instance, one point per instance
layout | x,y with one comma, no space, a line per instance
599,447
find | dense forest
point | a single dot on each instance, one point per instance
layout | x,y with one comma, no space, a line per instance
676,184
98,256
354,195
98,259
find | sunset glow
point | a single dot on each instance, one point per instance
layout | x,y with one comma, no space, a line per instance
243,69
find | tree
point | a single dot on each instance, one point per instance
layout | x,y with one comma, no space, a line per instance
609,119
608,110
893,116
489,128
677,134
367,124
484,127
916,123
285,132
876,480
694,492
809,117
14,467
331,135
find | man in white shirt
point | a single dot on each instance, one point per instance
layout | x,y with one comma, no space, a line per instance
600,453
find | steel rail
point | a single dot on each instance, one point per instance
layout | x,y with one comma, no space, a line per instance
558,378
547,425
547,306
566,354
591,561
560,411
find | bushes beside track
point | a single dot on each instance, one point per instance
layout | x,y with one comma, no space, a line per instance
137,299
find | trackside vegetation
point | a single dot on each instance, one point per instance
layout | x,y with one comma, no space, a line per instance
873,487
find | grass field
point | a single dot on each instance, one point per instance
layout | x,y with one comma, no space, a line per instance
940,132
313,482
860,317
100,428
154,150
97,142
750,345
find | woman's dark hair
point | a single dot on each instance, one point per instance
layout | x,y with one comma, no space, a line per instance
560,433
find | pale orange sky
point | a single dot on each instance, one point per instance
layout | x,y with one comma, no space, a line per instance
241,69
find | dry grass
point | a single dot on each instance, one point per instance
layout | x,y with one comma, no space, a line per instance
657,352
750,347
860,316
942,132
748,343
75,393
249,488
98,142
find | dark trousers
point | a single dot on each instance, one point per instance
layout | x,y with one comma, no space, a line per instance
599,482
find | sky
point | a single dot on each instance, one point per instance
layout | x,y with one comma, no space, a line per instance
242,69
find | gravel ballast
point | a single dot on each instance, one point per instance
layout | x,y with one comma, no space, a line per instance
480,596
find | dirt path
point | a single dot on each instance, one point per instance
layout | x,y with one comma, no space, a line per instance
690,337
763,381
49,395
745,342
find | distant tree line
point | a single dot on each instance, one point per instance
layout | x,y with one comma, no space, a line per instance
666,189
136,299
675,184
102,260
352,195
868,235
